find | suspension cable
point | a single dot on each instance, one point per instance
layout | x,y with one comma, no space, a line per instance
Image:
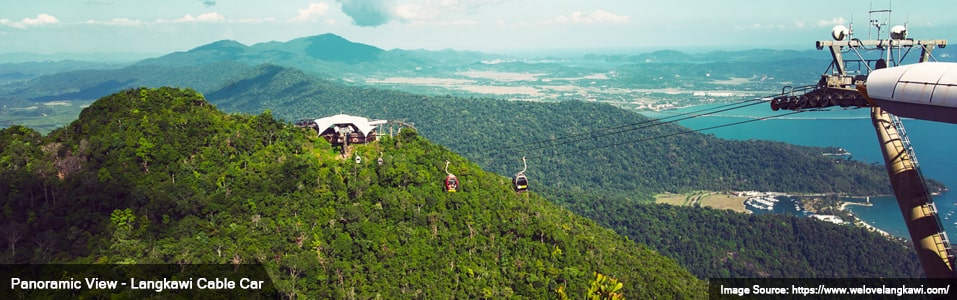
594,134
682,132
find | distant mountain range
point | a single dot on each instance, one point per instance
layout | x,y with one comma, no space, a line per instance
326,53
239,78
105,57
338,57
333,57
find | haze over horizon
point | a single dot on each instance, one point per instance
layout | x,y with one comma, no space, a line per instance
495,26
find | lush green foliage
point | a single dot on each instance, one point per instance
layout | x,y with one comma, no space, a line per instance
498,133
604,287
491,132
721,243
494,132
161,176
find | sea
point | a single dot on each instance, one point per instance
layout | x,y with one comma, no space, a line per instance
935,145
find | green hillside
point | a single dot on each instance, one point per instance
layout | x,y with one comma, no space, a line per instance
607,184
494,133
161,176
93,84
497,133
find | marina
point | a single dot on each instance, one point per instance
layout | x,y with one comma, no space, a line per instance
762,202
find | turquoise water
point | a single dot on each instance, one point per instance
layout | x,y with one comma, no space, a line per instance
851,129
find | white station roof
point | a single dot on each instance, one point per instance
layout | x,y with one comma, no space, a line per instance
932,83
365,125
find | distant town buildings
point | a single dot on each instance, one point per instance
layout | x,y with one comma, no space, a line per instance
829,218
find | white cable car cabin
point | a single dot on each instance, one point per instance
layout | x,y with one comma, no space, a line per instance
520,182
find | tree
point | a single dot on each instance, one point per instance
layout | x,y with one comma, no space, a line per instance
604,288
12,232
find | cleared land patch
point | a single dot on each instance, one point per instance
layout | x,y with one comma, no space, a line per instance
710,199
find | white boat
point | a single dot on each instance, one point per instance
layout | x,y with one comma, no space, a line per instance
765,203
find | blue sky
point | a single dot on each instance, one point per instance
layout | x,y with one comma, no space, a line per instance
500,26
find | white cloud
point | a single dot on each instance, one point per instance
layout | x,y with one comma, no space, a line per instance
797,24
203,18
441,12
314,9
601,16
417,12
40,20
596,16
759,26
831,22
116,22
211,17
253,20
483,2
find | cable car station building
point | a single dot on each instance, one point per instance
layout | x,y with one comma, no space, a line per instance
342,130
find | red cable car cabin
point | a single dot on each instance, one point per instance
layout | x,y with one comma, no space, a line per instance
451,183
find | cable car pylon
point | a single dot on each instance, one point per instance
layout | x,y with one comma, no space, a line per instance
915,202
843,87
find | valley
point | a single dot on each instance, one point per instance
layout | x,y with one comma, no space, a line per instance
599,87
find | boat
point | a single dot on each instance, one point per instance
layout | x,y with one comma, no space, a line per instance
762,202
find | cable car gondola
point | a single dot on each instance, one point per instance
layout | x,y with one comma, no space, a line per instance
520,181
451,182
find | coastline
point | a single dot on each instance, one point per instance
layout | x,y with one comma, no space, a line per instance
844,204
872,228
860,222
858,138
737,201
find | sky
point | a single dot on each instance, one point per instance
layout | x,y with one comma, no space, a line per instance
495,26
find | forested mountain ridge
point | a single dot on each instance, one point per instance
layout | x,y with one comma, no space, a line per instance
498,133
495,132
608,184
161,176
93,84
